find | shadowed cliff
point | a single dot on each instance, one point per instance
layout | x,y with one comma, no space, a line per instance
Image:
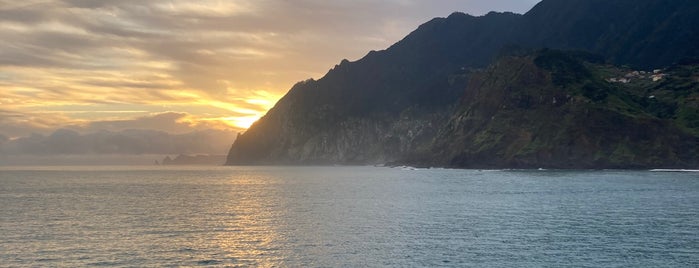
553,109
410,102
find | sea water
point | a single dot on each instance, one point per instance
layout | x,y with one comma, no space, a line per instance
346,217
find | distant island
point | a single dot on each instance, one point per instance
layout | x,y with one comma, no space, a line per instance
570,84
196,160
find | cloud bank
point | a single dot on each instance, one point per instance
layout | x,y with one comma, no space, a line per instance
126,142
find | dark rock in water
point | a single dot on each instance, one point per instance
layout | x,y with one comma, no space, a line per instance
468,91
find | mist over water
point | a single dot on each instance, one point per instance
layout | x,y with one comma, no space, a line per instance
346,216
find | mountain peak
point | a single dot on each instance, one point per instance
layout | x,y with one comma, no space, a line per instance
403,103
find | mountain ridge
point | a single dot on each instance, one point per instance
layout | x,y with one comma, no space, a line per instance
392,105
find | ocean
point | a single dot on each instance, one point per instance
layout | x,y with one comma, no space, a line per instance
346,217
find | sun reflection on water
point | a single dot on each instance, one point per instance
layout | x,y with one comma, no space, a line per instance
250,236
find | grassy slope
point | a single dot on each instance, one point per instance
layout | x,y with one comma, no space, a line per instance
556,110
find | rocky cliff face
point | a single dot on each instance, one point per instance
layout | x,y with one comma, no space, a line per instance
554,110
287,136
427,99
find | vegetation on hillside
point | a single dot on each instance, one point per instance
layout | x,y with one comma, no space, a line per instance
558,109
453,93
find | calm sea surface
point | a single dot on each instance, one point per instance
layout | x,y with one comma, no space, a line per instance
346,217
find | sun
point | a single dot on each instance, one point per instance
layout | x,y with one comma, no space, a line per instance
242,122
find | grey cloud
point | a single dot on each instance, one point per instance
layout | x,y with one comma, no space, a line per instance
24,15
98,4
13,124
18,124
167,122
326,27
139,136
25,58
71,43
68,142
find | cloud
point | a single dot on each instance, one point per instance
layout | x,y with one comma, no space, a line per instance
126,142
207,59
18,124
15,124
212,40
161,133
169,122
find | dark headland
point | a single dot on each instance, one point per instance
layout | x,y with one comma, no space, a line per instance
570,84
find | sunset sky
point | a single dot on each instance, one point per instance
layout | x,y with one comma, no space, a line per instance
180,66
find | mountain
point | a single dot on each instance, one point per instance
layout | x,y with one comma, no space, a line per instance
644,34
555,109
403,104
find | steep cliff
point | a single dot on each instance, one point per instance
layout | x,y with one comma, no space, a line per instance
410,102
300,131
555,110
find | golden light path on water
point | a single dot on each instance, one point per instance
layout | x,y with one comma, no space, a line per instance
251,235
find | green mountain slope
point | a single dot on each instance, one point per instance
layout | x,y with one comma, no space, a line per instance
400,104
644,34
555,110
